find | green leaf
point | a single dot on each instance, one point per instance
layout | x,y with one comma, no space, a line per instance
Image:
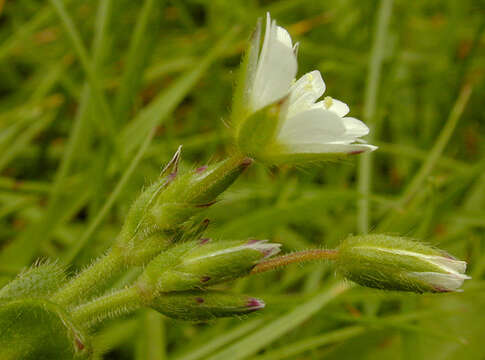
34,329
38,281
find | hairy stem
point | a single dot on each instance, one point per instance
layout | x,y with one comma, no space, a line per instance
108,306
88,281
296,257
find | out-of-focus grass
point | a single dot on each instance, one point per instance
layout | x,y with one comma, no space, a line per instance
96,96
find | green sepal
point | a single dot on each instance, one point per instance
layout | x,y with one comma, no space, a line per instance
139,236
258,131
245,78
198,264
167,207
38,281
393,263
138,249
136,220
192,192
204,305
148,282
36,329
278,154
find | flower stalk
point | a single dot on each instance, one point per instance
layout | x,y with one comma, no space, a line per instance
116,304
293,258
89,280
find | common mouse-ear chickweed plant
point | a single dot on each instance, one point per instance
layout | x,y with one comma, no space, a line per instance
276,119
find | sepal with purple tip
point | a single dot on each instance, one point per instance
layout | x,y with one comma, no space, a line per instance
166,208
398,263
205,305
199,264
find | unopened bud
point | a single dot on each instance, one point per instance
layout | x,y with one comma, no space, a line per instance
140,238
397,263
204,305
196,265
164,207
191,192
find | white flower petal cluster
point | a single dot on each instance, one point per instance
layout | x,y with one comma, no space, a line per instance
451,273
398,263
305,125
448,274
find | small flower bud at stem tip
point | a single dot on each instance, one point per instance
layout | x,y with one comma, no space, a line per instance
198,264
201,306
204,241
201,169
255,304
397,263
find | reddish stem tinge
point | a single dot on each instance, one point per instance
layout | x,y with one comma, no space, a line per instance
296,257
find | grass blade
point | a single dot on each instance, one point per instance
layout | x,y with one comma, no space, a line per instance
372,87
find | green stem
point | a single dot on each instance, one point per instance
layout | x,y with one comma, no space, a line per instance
296,257
375,65
112,305
91,279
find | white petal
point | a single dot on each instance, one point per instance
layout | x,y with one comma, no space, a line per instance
312,126
451,265
276,68
266,40
445,282
330,148
354,127
283,36
267,248
262,58
305,92
338,107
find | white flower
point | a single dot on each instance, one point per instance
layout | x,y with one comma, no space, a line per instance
305,125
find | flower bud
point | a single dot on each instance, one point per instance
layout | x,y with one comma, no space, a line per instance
196,265
397,263
190,193
166,206
204,305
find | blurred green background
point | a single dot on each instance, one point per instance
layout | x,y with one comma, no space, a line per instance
96,96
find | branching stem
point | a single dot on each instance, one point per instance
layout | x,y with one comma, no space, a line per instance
90,280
